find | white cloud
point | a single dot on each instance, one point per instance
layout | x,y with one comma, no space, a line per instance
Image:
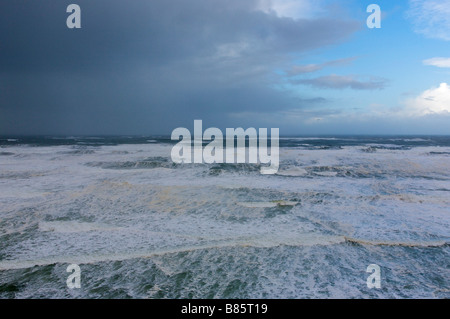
296,9
439,62
432,101
431,18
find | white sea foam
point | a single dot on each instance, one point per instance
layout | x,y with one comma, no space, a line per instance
73,227
57,207
293,171
262,242
328,174
258,204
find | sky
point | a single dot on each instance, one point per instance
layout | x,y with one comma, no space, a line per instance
306,67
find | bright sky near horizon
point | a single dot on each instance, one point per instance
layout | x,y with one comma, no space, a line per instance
147,67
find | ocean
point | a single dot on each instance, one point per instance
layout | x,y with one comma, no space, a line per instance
140,226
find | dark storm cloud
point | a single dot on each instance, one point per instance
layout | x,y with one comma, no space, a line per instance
309,68
146,66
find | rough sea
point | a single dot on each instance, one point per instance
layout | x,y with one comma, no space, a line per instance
140,226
